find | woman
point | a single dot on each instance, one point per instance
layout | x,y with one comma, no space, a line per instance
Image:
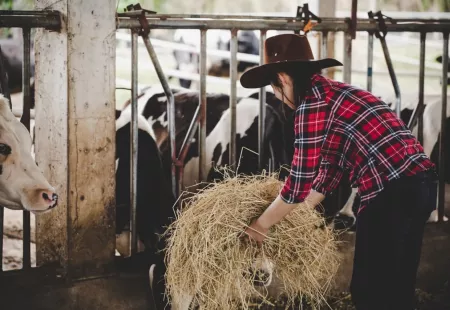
340,128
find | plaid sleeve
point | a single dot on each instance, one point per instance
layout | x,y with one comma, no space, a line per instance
328,178
310,125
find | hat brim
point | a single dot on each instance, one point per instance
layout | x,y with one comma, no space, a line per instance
261,76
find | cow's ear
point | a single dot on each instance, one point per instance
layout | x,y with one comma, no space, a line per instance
118,113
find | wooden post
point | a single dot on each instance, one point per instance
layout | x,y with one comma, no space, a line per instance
328,9
75,136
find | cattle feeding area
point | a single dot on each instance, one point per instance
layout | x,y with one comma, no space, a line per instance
207,261
168,138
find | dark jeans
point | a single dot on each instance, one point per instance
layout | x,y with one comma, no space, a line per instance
388,244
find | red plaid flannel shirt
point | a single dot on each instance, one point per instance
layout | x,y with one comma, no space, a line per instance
340,127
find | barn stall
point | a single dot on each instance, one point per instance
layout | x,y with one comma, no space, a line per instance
75,141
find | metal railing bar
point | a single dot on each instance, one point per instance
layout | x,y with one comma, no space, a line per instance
170,109
347,70
417,115
233,96
370,62
390,67
248,17
336,26
262,106
51,20
25,119
203,108
134,142
442,146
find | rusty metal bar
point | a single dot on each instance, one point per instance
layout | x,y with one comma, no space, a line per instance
390,67
48,19
189,136
336,26
421,102
417,115
354,21
202,104
25,119
324,49
170,109
370,62
265,18
442,146
262,106
347,71
134,141
185,146
233,95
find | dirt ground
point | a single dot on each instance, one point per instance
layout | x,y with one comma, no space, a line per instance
439,300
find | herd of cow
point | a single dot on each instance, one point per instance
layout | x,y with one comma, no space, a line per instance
155,200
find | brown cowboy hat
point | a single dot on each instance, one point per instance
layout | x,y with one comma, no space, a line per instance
281,51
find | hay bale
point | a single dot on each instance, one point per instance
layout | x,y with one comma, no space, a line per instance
206,259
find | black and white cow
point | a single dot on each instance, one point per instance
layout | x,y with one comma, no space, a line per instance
12,56
154,199
248,42
345,217
152,105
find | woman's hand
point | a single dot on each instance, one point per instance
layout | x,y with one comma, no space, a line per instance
255,232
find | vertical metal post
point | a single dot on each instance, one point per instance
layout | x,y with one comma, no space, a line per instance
26,73
324,49
262,106
233,95
134,141
347,74
420,104
370,61
392,74
417,115
442,150
2,215
170,110
202,102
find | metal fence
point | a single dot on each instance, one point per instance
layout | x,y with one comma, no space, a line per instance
140,22
375,25
26,20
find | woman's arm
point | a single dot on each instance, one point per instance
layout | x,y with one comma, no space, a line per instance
276,212
279,209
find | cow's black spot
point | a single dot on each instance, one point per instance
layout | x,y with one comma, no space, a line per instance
1,169
216,153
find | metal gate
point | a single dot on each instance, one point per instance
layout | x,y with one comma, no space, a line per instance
140,22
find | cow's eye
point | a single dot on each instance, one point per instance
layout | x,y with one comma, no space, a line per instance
5,149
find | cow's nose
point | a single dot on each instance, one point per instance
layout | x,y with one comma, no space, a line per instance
50,198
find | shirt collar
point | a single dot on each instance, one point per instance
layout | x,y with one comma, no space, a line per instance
317,82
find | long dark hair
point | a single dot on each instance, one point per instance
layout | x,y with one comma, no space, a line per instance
301,78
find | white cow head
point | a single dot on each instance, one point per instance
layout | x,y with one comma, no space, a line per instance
263,269
22,184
